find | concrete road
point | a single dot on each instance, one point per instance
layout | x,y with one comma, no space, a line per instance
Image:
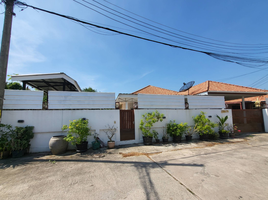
224,169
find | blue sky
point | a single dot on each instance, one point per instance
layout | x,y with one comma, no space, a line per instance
109,62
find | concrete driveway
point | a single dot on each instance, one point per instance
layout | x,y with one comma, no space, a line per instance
223,169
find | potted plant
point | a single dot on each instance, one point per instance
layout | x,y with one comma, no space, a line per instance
156,136
224,134
78,131
176,130
96,142
203,126
232,129
20,140
189,133
165,136
110,132
5,141
146,125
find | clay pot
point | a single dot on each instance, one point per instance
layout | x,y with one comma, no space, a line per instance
111,144
58,145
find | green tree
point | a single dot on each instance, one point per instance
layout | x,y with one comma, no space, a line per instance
13,86
89,89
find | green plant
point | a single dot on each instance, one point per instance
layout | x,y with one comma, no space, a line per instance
110,132
189,131
174,129
233,128
155,134
21,137
222,123
52,161
203,125
165,135
78,131
5,140
148,121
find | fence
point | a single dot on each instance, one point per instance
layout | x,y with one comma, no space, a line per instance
80,100
23,99
65,106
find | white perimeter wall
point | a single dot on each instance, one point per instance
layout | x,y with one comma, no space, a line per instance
48,123
265,119
179,116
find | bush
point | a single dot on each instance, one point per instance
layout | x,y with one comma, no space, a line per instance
203,125
148,121
78,131
174,129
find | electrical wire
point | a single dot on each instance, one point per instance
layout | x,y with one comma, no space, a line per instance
170,40
244,61
233,77
223,46
178,29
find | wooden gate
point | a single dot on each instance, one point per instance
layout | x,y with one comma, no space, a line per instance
248,120
127,126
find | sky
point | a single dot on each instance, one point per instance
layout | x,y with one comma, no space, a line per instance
111,62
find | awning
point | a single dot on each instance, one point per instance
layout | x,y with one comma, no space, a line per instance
53,81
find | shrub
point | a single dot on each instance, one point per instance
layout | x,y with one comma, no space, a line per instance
148,121
78,131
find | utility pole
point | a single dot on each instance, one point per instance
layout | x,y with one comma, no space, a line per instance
5,49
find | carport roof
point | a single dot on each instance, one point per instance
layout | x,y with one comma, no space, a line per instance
52,81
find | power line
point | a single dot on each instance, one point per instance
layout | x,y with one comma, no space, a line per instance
178,29
238,76
169,33
244,61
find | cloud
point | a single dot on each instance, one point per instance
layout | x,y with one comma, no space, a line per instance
135,78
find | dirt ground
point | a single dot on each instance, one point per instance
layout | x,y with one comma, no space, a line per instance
221,169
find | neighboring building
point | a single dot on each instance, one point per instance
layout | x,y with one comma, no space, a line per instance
235,95
250,103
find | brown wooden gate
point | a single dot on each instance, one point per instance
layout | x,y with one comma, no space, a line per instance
248,120
127,126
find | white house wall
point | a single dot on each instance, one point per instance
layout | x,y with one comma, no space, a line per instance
205,102
80,100
23,99
161,101
48,123
179,116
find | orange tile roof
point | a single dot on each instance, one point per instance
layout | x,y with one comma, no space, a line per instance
155,90
219,86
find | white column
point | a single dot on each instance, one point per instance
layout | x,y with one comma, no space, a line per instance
243,103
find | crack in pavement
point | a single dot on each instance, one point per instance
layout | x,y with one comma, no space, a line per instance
188,189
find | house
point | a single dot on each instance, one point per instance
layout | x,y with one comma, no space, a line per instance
250,102
230,92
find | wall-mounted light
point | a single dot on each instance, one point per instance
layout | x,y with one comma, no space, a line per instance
20,121
164,117
209,116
